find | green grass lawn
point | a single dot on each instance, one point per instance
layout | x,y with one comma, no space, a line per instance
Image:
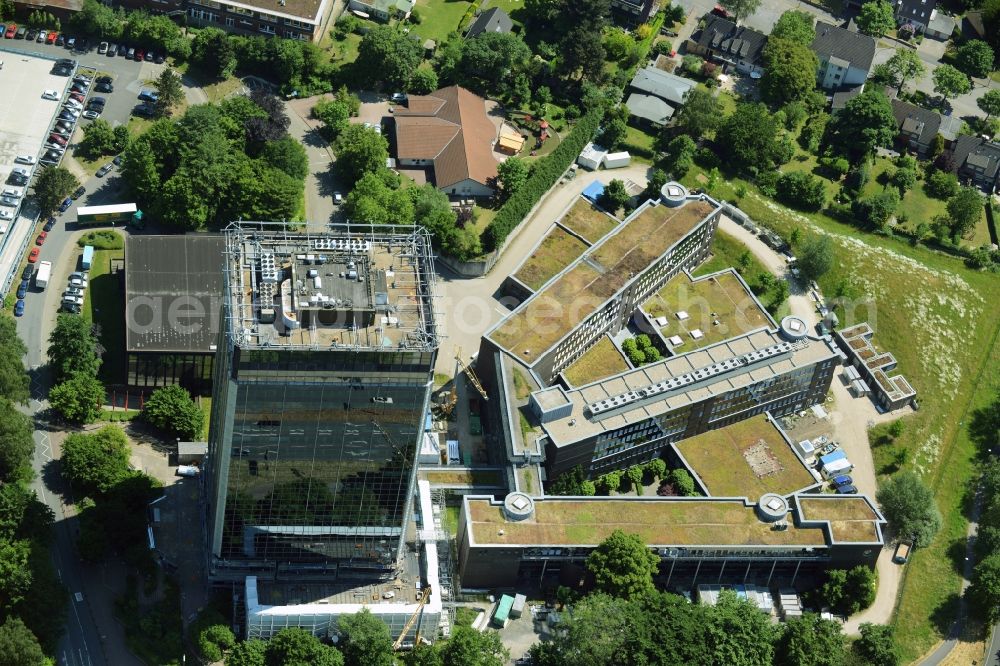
936,317
729,252
557,251
640,144
439,18
600,361
205,402
103,304
343,51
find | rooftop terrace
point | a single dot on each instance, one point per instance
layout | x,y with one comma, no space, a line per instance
748,458
714,307
594,278
357,286
581,423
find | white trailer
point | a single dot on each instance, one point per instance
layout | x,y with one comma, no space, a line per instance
617,160
43,274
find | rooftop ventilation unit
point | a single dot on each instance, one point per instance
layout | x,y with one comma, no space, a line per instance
268,268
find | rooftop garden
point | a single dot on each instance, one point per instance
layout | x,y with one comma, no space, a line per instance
556,251
600,361
588,221
749,458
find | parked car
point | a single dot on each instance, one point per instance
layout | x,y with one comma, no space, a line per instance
159,59
79,97
11,192
144,110
149,56
139,53
104,170
399,97
64,206
22,290
27,273
148,95
6,214
49,223
53,155
61,40
79,192
103,48
20,173
11,31
105,87
19,308
122,49
31,34
41,238
51,39
57,138
112,50
83,78
42,35
71,43
21,32
68,114
91,115
9,201
25,159
847,490
842,480
338,198
902,554
97,101
117,161
33,255
131,53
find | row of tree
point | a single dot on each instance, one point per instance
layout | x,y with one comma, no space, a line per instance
75,356
984,590
32,601
155,31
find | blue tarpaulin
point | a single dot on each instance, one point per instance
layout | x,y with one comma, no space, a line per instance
836,455
594,191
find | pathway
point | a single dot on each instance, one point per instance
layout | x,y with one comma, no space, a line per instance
320,183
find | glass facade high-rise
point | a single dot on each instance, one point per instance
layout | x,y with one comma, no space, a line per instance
322,383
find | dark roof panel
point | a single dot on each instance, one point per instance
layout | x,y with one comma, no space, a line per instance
854,47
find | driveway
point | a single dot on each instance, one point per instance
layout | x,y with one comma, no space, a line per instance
763,19
320,182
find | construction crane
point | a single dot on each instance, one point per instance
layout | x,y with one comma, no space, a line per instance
424,596
470,374
449,406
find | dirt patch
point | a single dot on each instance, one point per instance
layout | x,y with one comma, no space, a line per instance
762,462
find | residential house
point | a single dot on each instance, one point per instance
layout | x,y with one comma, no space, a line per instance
383,10
669,87
914,15
917,126
977,161
842,97
845,57
728,43
633,12
492,20
449,131
941,26
649,110
305,20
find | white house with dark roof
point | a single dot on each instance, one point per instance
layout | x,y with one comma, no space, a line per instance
845,56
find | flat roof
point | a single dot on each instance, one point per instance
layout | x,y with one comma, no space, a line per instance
749,458
588,221
580,423
813,520
356,286
719,305
557,250
173,292
657,521
602,360
595,277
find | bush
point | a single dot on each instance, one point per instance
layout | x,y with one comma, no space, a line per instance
849,591
837,166
877,209
172,410
544,175
941,184
102,240
801,190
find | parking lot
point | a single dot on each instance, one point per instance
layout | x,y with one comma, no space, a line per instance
24,115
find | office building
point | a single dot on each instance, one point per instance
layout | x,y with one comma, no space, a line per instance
322,383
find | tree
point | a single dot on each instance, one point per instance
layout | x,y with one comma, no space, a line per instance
13,378
903,66
910,509
904,179
866,121
387,54
683,482
335,115
248,653
16,443
613,133
492,61
475,648
801,190
52,186
876,645
213,52
97,19
878,208
98,139
214,639
876,18
748,137
79,398
73,348
615,195
581,50
97,461
297,647
849,591
989,103
964,210
18,646
740,9
975,58
811,641
984,590
367,641
680,155
623,566
941,184
657,179
171,94
795,25
738,634
701,113
950,82
287,155
657,468
360,150
512,174
423,82
815,257
790,72
172,410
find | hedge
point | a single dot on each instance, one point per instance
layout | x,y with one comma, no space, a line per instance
543,176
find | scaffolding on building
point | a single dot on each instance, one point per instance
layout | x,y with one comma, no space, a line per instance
446,558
